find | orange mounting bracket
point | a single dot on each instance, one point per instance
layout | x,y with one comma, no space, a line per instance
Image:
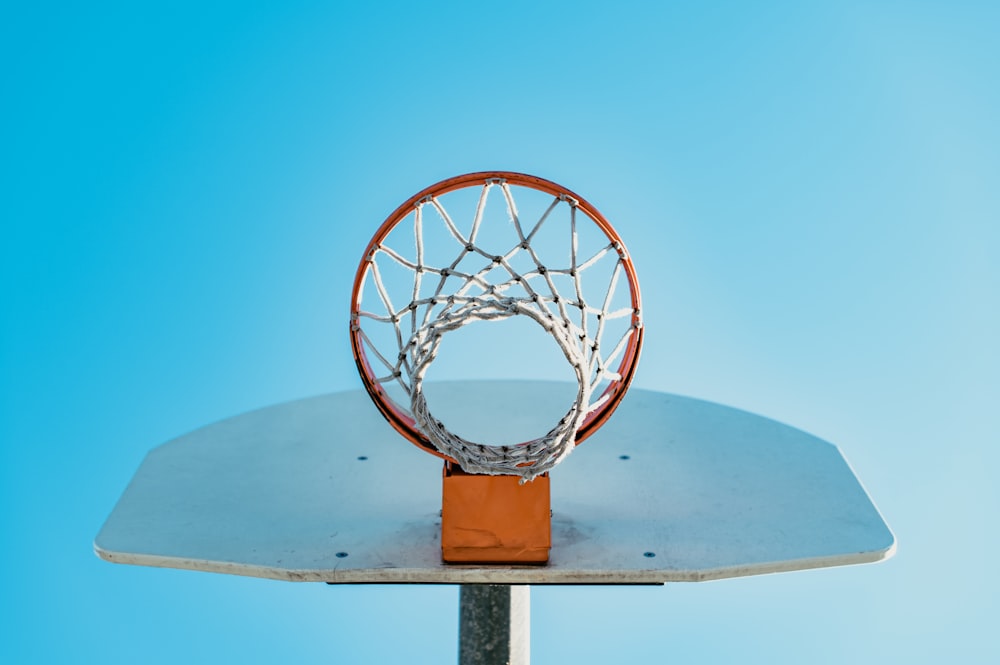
494,519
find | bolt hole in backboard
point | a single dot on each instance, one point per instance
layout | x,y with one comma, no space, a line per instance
502,275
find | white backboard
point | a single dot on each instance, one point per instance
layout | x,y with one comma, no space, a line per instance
323,489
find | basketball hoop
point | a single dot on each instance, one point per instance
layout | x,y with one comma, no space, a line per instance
491,280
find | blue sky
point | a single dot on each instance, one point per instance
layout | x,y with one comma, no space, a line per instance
809,191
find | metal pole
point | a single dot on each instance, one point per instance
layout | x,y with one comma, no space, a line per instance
494,626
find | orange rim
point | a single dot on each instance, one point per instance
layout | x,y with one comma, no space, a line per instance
399,418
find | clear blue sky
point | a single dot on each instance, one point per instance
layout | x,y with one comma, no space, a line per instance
810,191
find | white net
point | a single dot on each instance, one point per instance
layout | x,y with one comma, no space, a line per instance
479,268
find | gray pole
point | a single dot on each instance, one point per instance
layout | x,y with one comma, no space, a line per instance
494,626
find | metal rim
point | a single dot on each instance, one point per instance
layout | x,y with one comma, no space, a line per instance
401,421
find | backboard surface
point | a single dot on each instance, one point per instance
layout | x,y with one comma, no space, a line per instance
323,489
